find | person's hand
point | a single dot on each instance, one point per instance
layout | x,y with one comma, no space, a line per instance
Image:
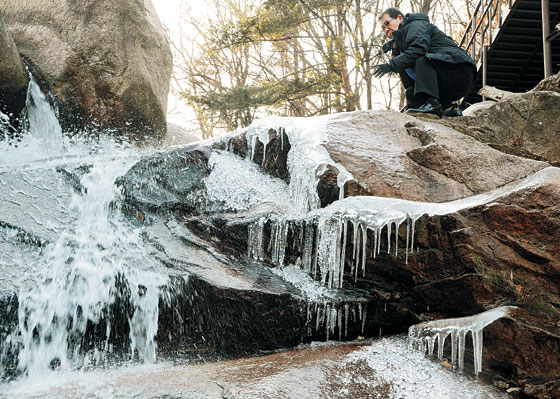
381,69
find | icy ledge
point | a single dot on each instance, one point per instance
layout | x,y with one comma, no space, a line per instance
307,159
423,336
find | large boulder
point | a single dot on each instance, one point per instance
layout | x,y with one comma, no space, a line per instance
107,63
524,124
395,155
13,78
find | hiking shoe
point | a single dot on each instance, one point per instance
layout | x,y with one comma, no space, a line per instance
428,108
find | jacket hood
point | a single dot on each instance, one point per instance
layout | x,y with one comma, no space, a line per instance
418,16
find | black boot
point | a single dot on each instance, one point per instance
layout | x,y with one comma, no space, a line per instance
432,106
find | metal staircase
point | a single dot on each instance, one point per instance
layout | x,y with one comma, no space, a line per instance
505,38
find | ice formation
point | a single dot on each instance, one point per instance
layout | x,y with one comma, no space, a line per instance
307,159
424,336
336,242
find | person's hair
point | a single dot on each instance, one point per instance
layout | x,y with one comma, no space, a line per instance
392,12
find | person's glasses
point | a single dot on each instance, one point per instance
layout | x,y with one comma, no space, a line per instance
386,23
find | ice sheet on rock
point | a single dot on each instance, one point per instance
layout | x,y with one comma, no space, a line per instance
238,184
311,289
307,158
423,336
413,376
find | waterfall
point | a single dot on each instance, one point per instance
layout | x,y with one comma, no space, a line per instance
97,267
43,123
42,137
78,284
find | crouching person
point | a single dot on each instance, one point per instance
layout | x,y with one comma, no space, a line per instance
433,69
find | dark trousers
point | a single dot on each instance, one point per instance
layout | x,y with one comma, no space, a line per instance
445,81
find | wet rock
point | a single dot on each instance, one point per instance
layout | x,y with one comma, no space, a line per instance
522,124
395,155
552,83
170,180
275,162
13,78
107,64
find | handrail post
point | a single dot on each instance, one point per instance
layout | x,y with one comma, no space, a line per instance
547,58
499,14
473,41
482,17
484,68
490,22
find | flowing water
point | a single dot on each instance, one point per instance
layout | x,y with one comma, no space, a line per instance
88,258
76,262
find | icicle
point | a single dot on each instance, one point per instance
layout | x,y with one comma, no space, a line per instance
407,238
316,254
430,342
412,237
364,320
355,239
357,250
281,132
346,315
253,145
337,259
341,179
477,348
461,349
441,343
454,336
389,225
364,242
339,324
308,246
375,234
255,240
344,239
328,321
385,309
318,319
282,241
310,314
397,225
379,239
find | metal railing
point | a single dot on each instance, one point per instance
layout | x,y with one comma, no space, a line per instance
485,23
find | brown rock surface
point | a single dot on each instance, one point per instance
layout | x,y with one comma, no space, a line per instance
395,155
525,124
13,78
505,252
107,63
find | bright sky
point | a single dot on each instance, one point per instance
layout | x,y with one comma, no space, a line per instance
170,13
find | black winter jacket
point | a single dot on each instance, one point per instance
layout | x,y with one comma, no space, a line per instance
417,37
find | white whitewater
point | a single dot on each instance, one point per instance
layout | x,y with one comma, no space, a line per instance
423,336
75,279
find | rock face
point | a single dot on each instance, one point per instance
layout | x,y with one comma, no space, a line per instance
223,297
503,252
395,155
107,63
522,124
13,79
